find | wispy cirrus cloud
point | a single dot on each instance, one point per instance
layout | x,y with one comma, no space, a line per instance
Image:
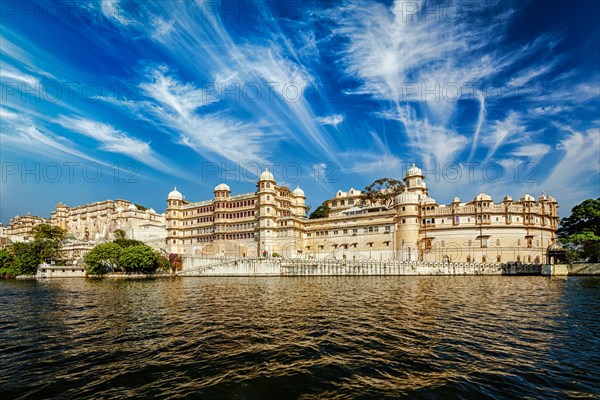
333,120
177,108
115,141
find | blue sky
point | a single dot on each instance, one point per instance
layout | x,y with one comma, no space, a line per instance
125,99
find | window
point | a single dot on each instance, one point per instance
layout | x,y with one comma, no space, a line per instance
498,258
468,259
370,244
342,203
351,202
345,231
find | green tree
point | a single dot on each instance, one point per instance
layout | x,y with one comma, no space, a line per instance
163,262
382,191
140,207
321,212
580,232
124,243
102,257
119,234
26,257
140,258
7,268
48,232
6,258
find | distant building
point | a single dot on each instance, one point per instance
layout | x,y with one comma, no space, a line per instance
3,236
19,228
272,221
99,221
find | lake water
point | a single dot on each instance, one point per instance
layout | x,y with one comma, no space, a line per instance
320,337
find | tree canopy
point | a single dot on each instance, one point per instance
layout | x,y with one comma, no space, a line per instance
48,232
382,191
138,259
580,232
102,257
321,212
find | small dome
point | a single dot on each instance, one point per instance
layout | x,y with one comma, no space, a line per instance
266,175
456,200
483,197
555,247
152,211
298,192
147,211
175,195
429,200
132,207
507,198
414,171
542,198
407,198
551,199
527,197
222,186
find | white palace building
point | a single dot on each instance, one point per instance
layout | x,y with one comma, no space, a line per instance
272,222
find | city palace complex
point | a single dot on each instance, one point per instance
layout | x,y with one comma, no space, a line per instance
273,222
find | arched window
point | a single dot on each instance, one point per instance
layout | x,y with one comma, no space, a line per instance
468,259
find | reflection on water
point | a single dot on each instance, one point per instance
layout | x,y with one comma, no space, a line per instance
317,337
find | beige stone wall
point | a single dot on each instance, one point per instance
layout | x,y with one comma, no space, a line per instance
415,228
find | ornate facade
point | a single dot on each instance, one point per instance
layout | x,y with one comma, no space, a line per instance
99,221
19,227
268,221
272,221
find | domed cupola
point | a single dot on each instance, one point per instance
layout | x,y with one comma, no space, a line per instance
222,187
298,192
407,198
483,197
527,198
414,171
175,195
267,176
415,181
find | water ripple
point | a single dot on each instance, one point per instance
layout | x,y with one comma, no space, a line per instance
308,338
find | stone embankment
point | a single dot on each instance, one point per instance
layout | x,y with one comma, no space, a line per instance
223,266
